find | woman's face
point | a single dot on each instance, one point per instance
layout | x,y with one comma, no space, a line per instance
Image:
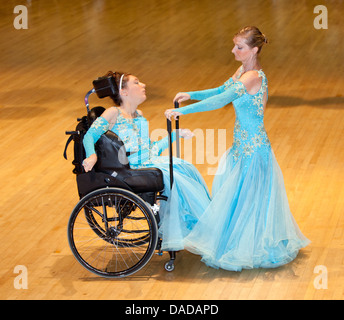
135,91
242,51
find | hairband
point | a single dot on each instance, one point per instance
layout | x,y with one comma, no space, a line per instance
120,81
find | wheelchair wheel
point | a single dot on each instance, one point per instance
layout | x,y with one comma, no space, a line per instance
112,232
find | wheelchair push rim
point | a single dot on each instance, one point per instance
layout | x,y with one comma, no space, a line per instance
112,232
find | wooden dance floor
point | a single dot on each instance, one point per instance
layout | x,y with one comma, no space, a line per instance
172,46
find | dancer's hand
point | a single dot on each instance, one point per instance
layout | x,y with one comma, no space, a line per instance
89,162
169,113
186,133
181,96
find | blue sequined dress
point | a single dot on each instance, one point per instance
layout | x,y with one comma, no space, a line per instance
248,223
189,196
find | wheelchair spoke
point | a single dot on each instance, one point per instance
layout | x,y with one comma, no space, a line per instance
91,207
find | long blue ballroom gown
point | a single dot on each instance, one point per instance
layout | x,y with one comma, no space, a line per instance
248,223
189,196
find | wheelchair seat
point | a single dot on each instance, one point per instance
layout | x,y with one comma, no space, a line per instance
112,170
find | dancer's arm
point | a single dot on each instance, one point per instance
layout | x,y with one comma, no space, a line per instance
205,94
233,92
99,126
216,102
163,143
202,94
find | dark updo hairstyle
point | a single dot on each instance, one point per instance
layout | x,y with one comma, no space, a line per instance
117,77
253,37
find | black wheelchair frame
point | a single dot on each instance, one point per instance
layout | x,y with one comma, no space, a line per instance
113,229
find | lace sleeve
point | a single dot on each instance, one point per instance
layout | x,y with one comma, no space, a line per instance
99,126
163,143
230,93
204,94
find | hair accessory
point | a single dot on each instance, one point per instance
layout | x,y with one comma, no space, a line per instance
120,82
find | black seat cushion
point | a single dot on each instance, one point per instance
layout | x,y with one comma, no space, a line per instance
90,181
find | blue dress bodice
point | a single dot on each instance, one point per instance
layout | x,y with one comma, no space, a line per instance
249,131
133,132
135,135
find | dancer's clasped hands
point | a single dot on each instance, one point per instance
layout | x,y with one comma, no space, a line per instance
173,113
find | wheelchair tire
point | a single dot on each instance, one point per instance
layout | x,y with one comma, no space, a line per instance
112,232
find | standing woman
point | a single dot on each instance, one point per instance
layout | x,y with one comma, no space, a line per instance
183,208
248,223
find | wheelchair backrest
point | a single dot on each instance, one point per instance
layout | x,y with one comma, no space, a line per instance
77,136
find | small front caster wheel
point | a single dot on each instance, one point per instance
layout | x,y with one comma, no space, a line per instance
169,266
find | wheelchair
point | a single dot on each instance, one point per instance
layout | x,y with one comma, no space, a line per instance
113,229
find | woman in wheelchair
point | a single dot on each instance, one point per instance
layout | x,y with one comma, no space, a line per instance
189,196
